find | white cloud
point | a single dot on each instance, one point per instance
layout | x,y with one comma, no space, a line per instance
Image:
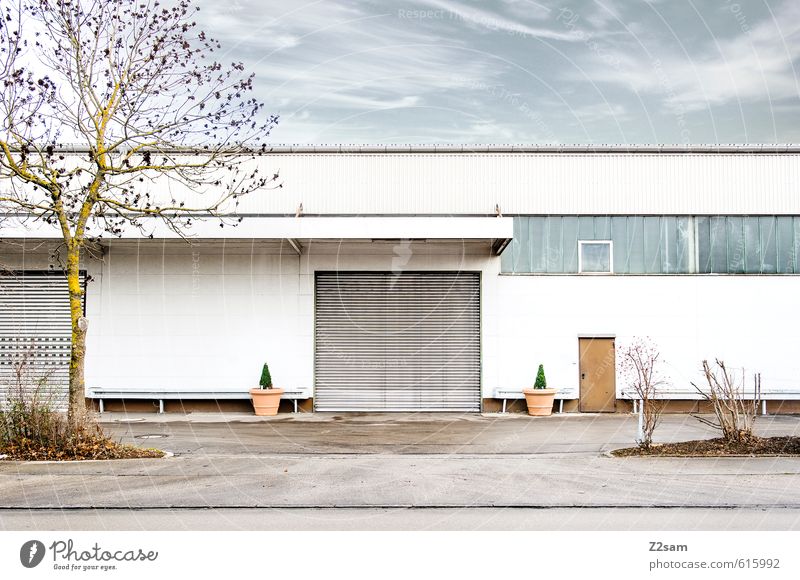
594,112
492,21
528,9
358,71
605,13
755,64
343,60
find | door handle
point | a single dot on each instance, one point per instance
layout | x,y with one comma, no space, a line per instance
583,376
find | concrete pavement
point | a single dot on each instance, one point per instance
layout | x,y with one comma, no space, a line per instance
401,433
377,462
577,480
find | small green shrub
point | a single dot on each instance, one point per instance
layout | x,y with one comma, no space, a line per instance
266,378
541,382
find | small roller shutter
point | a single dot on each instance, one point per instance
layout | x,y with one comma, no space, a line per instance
35,326
397,342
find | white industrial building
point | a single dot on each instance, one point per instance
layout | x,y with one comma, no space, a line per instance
434,279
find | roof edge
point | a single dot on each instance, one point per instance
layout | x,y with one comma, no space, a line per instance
697,148
772,148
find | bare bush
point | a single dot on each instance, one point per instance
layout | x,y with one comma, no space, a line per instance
639,365
33,428
734,411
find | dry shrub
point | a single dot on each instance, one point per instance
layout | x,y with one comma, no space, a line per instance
734,412
640,367
33,428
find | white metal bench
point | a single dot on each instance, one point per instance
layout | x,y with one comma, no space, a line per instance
693,395
101,394
505,394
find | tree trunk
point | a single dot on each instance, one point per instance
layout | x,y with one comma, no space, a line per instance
77,392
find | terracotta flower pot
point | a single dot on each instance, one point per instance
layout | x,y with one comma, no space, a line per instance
266,401
540,401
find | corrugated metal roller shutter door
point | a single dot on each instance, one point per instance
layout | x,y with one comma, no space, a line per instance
35,324
397,342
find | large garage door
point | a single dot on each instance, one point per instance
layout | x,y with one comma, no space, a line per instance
35,334
397,342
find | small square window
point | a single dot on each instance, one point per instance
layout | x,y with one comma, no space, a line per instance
595,257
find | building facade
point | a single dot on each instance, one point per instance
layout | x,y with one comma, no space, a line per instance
417,279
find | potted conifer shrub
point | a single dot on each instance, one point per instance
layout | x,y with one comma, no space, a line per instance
540,398
266,398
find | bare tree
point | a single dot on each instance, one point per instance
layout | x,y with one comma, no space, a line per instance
735,413
136,86
639,365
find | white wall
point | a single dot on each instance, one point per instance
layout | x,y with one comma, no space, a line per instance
202,318
521,183
166,315
538,183
748,321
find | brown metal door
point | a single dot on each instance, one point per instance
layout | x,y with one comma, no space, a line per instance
597,368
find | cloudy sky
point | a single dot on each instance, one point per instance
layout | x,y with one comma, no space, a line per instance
520,71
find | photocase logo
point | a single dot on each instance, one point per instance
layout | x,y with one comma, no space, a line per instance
31,553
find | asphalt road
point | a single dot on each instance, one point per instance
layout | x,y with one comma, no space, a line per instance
405,519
